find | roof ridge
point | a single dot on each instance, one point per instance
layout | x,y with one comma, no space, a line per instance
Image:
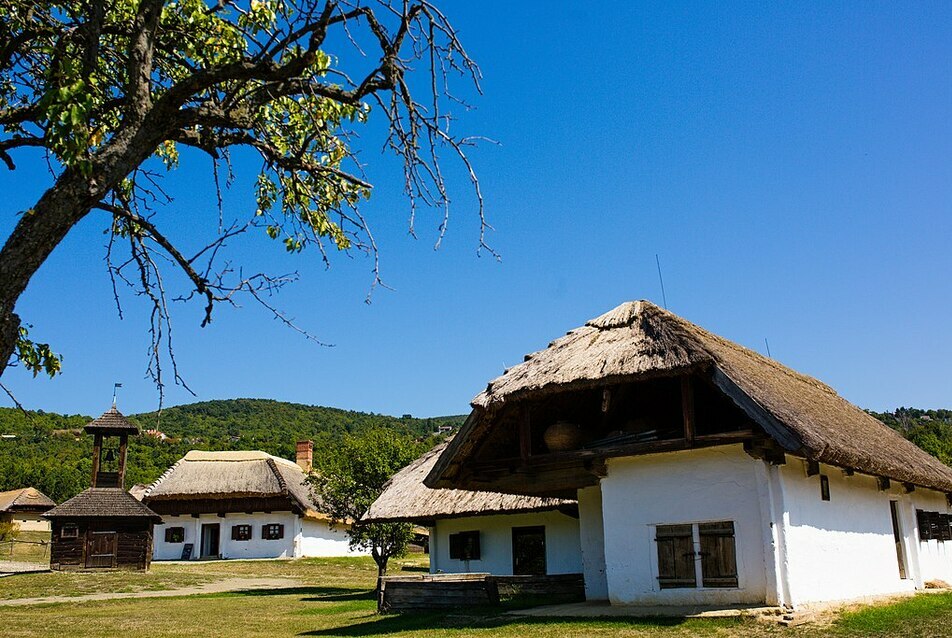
282,484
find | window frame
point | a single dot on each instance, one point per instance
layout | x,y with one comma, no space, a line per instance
465,545
699,544
172,532
272,531
70,530
242,532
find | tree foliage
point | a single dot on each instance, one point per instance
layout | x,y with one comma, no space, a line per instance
51,452
349,481
111,92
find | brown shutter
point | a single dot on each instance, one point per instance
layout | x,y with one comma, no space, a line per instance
718,554
280,531
675,556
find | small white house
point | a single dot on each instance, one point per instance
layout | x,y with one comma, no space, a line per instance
245,504
483,532
705,472
25,507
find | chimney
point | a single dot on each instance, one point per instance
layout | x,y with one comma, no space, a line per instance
305,455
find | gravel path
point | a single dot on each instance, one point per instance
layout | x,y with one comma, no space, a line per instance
217,587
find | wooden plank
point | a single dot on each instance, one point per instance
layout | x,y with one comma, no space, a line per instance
525,434
687,408
883,483
97,452
813,468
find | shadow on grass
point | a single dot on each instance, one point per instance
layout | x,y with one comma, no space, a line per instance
312,594
423,621
415,568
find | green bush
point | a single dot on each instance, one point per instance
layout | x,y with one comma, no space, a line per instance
8,531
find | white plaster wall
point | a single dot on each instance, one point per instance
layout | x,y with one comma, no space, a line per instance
563,553
257,547
30,522
318,538
713,484
592,540
843,548
935,557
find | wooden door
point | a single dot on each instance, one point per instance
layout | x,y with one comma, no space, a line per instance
101,549
210,535
528,551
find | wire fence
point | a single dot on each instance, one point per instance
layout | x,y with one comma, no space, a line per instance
24,550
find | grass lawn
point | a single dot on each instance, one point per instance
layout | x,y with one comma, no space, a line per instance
335,598
31,547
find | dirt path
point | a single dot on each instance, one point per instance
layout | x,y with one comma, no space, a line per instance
8,567
217,587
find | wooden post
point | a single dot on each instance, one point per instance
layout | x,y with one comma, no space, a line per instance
909,488
883,483
687,408
97,452
813,468
525,434
123,443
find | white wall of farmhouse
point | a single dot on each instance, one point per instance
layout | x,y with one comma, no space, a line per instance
843,548
934,557
687,487
28,521
562,551
792,547
301,537
592,539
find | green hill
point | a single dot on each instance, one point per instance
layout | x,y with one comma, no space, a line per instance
51,453
929,429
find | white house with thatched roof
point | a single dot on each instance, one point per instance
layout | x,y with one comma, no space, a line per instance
244,504
24,508
706,473
484,532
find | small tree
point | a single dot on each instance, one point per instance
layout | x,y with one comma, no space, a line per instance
352,478
9,531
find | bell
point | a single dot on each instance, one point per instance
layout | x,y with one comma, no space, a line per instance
110,455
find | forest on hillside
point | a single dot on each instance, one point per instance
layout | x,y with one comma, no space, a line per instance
51,452
929,429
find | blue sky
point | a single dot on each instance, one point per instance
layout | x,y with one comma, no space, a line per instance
790,164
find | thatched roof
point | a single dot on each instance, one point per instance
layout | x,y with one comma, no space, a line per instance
242,474
111,422
26,499
638,340
102,502
406,499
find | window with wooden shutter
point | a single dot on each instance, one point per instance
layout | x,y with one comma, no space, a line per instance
241,532
464,546
922,521
945,527
718,554
675,556
272,531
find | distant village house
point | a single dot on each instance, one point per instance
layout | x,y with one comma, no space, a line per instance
24,508
242,504
484,532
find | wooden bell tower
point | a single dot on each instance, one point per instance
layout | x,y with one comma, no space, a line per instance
109,463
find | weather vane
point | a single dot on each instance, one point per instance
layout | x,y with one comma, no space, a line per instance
115,393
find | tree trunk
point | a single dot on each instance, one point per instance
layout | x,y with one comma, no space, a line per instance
38,232
381,559
44,226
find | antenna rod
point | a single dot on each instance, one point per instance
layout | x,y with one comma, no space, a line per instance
115,393
664,298
767,343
